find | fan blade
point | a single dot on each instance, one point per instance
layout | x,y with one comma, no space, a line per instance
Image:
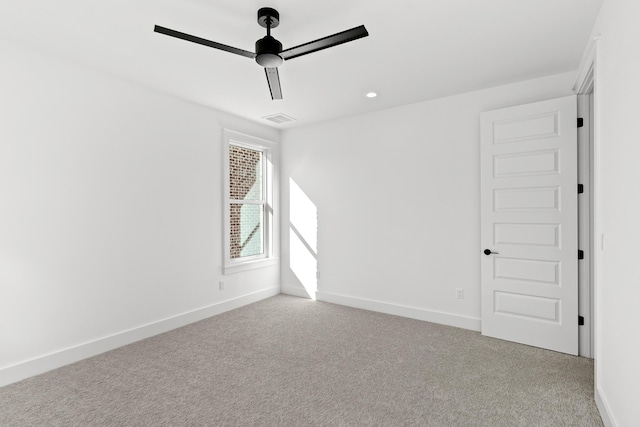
325,42
274,82
205,42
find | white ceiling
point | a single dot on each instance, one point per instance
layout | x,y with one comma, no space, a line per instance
417,49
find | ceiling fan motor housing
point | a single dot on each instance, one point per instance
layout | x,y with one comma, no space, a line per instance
267,48
268,52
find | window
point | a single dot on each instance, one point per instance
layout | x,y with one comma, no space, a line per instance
247,202
249,195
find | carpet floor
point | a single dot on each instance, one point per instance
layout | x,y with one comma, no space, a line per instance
298,362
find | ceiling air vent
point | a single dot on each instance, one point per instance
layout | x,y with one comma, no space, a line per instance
279,118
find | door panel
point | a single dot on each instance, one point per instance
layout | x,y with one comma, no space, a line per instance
527,306
529,223
527,234
528,163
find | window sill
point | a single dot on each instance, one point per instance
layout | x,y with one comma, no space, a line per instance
249,265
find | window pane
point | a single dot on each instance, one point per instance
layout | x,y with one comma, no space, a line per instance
245,173
246,230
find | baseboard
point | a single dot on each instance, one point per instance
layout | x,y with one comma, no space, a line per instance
440,317
297,292
605,410
76,353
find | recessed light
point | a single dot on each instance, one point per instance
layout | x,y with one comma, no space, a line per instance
371,95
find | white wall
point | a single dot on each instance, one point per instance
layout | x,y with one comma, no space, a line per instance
110,213
618,286
398,205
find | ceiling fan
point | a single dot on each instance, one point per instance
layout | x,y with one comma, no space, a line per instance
269,53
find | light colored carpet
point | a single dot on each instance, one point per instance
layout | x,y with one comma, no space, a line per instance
291,361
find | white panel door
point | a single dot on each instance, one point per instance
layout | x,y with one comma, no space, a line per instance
529,230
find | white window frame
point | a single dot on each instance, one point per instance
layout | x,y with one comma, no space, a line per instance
270,220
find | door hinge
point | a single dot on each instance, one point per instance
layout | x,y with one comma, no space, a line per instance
580,122
580,320
580,254
580,188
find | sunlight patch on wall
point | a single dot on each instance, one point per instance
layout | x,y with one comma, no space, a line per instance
303,238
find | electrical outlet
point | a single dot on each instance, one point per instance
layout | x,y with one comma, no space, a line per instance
459,293
222,285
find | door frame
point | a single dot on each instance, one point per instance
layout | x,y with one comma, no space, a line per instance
585,215
589,234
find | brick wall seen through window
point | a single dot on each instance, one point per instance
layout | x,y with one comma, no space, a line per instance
247,200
